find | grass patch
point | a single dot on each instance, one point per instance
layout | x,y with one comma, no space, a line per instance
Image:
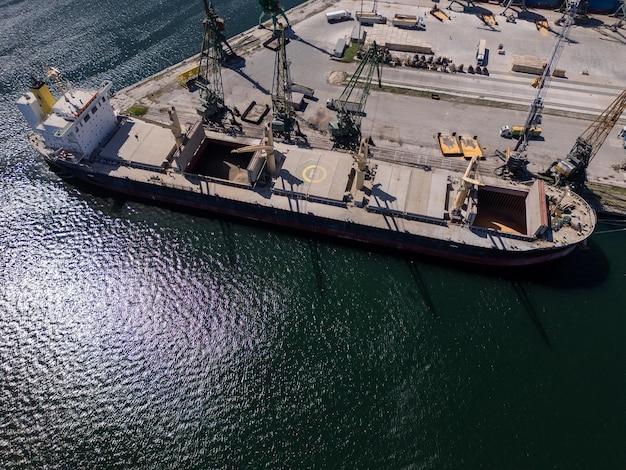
348,55
137,110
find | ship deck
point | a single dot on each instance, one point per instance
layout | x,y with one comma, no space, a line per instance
139,142
319,174
313,181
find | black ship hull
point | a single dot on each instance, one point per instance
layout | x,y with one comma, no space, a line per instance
308,223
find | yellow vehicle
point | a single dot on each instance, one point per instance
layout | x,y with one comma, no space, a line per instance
515,131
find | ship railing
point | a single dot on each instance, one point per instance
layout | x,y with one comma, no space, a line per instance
407,215
309,198
492,232
106,160
210,179
144,166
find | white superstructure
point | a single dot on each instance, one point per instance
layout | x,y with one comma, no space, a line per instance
78,122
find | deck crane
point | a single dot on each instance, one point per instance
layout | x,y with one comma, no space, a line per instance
573,167
211,107
345,127
534,114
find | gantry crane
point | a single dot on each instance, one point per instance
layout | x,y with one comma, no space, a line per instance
283,119
212,107
572,167
350,106
273,9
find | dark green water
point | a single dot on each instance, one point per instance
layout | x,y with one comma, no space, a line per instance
135,336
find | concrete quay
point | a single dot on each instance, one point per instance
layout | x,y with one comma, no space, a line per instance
404,126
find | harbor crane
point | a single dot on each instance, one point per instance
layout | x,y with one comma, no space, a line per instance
516,160
580,13
345,127
284,119
211,107
273,9
572,168
541,84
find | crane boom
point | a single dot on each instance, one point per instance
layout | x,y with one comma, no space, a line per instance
589,142
542,84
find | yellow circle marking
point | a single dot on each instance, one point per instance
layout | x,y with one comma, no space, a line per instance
314,174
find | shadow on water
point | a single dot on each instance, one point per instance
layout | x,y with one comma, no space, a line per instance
227,233
522,295
584,268
421,285
316,262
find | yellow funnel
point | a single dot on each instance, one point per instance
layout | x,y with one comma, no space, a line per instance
43,95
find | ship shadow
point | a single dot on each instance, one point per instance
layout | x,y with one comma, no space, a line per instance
586,267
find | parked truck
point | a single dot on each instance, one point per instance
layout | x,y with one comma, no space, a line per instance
336,16
349,106
340,47
370,18
515,131
481,52
404,21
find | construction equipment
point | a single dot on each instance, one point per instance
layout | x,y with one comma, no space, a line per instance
209,81
511,132
572,168
346,126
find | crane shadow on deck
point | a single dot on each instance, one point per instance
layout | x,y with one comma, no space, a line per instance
254,83
237,64
290,34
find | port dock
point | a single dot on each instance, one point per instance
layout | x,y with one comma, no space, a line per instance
403,120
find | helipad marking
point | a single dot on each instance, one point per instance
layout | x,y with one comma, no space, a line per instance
314,174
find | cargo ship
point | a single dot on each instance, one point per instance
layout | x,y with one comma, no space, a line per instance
469,217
